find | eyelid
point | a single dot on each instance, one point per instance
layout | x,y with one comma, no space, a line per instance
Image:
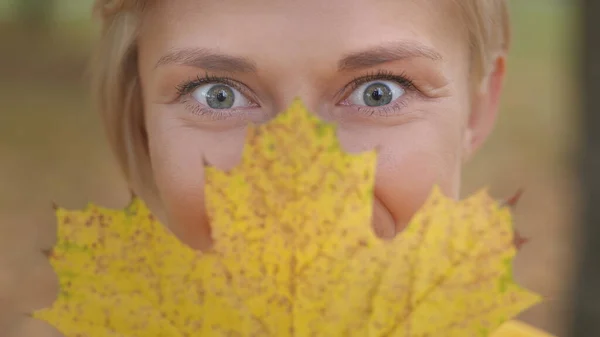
402,79
411,92
187,87
384,111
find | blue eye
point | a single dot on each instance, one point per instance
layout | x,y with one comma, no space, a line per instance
376,93
220,96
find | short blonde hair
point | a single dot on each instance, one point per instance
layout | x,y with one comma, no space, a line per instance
117,90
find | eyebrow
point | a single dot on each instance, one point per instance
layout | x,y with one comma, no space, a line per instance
387,53
207,59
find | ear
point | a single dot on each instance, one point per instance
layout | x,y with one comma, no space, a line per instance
485,105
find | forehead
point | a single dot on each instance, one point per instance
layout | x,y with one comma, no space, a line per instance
289,28
295,8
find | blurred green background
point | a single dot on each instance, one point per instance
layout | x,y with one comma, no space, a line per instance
52,148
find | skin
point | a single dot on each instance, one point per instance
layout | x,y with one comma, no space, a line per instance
294,48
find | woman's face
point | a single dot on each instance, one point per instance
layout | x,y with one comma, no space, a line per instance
392,74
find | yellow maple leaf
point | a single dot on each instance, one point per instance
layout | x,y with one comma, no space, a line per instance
294,255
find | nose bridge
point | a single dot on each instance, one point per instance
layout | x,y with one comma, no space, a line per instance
298,85
298,68
305,94
304,76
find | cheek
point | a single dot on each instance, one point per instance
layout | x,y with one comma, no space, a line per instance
178,154
179,176
413,157
424,155
402,185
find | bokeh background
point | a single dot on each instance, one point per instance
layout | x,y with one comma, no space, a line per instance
52,148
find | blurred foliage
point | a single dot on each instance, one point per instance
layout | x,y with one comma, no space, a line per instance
52,148
35,15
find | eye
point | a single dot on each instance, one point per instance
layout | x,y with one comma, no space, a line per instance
376,93
220,96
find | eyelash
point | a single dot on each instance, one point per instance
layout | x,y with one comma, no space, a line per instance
187,87
403,79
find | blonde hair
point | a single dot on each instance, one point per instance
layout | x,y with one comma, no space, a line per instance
117,89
